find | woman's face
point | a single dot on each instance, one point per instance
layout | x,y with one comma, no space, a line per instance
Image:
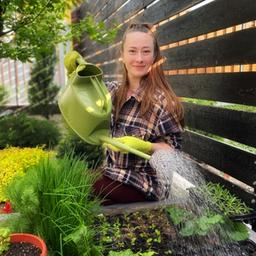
138,54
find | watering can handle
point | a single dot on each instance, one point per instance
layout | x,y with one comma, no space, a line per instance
124,147
80,61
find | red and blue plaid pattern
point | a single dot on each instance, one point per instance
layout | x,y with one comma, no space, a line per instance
156,126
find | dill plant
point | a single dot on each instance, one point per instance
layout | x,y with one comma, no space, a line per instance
55,202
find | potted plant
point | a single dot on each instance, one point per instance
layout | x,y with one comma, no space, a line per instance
54,200
27,244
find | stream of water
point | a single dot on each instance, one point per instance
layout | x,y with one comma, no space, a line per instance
178,169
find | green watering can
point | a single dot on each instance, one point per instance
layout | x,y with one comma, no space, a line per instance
86,105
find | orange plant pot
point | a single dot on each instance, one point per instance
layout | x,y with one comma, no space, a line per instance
29,238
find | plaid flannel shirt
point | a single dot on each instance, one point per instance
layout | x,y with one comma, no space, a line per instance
157,126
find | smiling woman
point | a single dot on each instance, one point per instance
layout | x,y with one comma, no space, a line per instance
146,116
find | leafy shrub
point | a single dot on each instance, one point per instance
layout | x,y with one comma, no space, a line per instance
42,90
14,163
23,131
3,94
92,154
54,201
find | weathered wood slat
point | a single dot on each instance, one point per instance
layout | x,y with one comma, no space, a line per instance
127,11
99,4
165,9
113,68
239,88
235,125
235,48
108,55
230,49
112,7
233,161
153,14
211,17
135,207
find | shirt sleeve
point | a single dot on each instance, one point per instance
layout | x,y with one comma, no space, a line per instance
168,130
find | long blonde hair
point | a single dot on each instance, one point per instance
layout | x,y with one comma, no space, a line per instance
154,80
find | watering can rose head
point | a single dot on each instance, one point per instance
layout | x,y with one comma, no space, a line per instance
72,60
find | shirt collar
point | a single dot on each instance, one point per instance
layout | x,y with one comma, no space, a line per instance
138,94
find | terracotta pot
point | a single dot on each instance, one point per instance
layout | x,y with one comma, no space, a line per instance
29,238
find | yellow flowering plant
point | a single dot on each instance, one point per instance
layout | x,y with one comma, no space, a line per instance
15,161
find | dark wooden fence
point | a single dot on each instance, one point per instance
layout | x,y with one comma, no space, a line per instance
211,55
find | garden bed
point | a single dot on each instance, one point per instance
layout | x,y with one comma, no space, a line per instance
153,232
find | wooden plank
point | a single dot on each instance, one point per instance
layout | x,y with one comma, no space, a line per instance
230,49
165,9
235,125
82,10
209,18
233,161
112,6
130,9
99,4
239,88
153,14
124,13
138,206
107,55
115,67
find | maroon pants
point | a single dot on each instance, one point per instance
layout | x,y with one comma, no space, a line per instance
114,192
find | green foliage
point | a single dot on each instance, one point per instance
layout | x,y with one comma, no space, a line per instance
96,31
177,214
3,94
39,25
42,91
129,252
54,201
4,239
23,131
206,223
233,231
201,226
92,155
221,199
218,205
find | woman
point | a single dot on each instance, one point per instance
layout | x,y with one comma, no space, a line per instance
147,115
